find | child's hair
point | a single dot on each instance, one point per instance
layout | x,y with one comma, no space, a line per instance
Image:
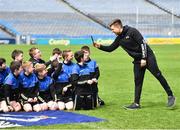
65,53
56,51
54,63
39,67
32,51
15,65
26,64
78,55
2,60
86,48
16,53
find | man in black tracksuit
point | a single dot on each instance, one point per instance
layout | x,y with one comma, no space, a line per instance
131,40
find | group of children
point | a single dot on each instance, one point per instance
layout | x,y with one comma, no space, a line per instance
58,84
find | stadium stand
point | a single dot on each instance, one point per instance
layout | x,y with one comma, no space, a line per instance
170,6
60,18
146,17
40,18
8,28
4,34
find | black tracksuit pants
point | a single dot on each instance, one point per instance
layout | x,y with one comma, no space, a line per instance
139,76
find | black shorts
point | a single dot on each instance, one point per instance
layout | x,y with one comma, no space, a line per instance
63,96
44,97
23,102
26,102
1,93
84,101
65,99
84,89
94,88
15,97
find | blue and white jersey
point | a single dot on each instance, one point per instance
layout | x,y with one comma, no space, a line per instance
12,81
63,77
3,74
92,64
81,70
68,68
45,83
28,81
66,72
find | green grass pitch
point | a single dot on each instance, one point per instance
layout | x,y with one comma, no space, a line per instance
116,88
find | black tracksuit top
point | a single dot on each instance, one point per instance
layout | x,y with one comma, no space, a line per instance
132,42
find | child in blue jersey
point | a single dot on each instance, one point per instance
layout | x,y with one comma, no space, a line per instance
30,88
63,86
83,88
95,73
45,85
4,71
12,86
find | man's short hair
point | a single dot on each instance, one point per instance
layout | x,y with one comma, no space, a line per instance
78,55
116,21
15,65
2,60
16,53
86,48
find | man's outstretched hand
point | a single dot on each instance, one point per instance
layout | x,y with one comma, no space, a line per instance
96,45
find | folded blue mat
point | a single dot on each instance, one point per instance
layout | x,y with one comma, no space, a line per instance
47,118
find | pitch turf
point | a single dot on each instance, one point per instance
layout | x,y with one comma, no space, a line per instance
116,88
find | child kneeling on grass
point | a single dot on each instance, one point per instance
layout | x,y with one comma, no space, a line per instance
4,71
62,87
95,73
84,98
12,87
45,85
30,88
